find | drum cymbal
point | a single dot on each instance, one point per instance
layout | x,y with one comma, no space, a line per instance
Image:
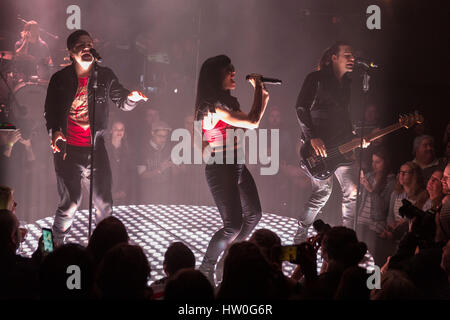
7,55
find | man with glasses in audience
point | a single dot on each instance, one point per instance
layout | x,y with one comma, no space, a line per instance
155,167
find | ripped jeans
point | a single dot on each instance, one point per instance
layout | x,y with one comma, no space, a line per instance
73,172
321,191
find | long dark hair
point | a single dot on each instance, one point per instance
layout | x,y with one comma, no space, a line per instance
326,62
383,154
209,87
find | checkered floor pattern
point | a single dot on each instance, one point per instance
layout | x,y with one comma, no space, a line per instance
154,227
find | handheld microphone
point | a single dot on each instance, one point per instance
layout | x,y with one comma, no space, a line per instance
266,80
95,54
365,63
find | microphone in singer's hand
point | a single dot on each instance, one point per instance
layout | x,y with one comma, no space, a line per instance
95,54
266,80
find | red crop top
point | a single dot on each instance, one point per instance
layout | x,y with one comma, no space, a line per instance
218,133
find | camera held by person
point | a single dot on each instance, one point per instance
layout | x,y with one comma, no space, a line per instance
297,253
422,223
421,234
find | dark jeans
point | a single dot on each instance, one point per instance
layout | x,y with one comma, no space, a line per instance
235,194
73,172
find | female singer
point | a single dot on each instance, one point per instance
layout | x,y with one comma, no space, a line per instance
231,184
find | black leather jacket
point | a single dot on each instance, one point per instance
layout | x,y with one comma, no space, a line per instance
322,107
61,93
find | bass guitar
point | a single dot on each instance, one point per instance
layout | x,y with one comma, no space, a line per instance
340,154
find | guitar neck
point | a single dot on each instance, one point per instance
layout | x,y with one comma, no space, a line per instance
355,143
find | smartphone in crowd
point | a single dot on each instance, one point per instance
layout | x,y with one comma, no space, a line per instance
47,239
299,253
289,253
286,253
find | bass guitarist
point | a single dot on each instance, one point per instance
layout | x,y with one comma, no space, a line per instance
322,110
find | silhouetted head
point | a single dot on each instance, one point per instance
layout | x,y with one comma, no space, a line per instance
178,256
353,285
9,233
189,285
108,233
266,240
69,265
341,245
395,285
123,273
247,274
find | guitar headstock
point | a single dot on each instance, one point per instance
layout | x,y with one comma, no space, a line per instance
408,120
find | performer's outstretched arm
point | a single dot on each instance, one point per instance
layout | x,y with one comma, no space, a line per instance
123,98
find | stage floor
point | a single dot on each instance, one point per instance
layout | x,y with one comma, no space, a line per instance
155,227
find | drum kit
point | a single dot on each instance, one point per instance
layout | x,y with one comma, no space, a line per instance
23,94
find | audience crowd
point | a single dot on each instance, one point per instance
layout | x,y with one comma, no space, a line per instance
414,243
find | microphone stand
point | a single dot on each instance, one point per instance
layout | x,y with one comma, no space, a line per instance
91,184
366,86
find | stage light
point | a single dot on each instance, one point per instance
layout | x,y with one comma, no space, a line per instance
154,227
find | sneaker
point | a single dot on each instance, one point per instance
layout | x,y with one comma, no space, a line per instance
302,233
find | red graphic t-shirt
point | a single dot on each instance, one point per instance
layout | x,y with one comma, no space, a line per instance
78,129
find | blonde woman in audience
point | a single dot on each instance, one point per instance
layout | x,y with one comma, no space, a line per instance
409,186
